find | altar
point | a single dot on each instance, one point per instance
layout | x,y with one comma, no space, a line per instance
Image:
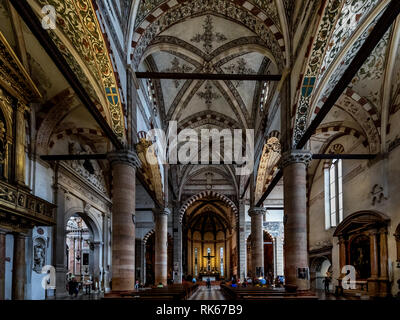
212,278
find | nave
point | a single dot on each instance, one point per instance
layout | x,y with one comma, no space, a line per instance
204,293
94,195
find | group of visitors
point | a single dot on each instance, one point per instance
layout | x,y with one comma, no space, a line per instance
258,282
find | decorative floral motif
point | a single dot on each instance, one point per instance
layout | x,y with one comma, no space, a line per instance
197,7
208,94
314,62
208,36
78,22
351,15
239,68
177,67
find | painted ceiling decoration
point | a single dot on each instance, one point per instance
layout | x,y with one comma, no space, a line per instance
208,95
331,53
208,37
268,165
207,194
151,172
239,68
80,39
178,68
13,75
243,12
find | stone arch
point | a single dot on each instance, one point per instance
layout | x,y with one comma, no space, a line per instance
88,218
364,103
367,218
268,164
275,134
147,236
162,17
202,195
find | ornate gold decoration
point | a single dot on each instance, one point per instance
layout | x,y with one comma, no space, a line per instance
268,165
81,34
13,76
20,202
151,172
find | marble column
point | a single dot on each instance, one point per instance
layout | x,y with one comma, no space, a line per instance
161,245
294,165
123,164
97,264
19,268
59,257
2,264
242,240
177,227
257,245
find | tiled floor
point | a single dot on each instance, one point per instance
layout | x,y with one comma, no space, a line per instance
203,293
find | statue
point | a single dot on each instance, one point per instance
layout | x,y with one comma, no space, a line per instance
39,255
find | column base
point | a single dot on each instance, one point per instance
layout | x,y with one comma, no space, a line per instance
291,288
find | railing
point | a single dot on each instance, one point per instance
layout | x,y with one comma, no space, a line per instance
19,201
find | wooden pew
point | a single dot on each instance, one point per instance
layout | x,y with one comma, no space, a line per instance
172,292
260,293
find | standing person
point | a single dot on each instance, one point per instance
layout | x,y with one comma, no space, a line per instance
208,283
137,285
327,281
71,287
75,287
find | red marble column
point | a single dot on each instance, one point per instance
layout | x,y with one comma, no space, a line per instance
19,268
294,165
123,166
161,245
257,241
2,264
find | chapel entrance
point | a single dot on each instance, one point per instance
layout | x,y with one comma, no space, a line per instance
79,250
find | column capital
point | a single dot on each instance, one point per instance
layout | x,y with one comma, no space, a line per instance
162,211
296,156
124,156
256,211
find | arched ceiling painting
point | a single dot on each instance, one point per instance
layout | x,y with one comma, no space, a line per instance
79,38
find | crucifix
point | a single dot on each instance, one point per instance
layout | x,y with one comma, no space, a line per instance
209,256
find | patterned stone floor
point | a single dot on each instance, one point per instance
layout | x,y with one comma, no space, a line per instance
203,293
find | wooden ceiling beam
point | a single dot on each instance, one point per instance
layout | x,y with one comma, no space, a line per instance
207,76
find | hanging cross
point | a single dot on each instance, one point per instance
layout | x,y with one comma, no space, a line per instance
208,256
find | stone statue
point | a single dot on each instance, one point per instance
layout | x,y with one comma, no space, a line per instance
39,255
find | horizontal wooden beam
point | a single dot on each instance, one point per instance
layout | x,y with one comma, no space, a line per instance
381,27
100,156
207,76
345,156
35,26
66,157
271,187
376,35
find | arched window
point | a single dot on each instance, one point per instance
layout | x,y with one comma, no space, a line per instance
333,193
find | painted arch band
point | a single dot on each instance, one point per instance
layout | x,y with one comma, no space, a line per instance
188,146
